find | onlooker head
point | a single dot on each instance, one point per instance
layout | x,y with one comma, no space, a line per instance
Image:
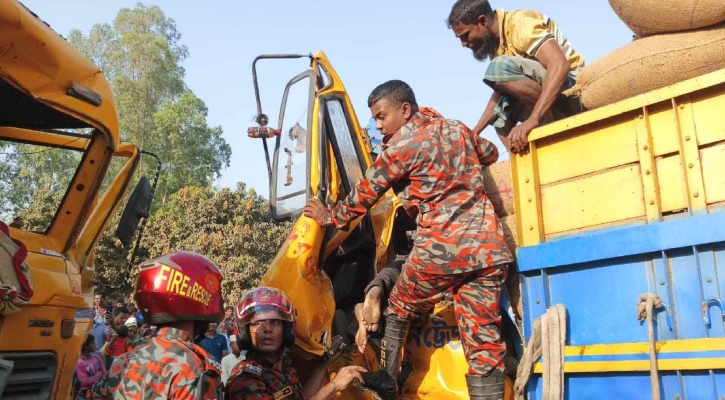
98,300
89,346
122,331
120,315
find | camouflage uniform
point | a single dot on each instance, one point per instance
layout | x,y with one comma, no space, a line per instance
435,166
168,366
255,379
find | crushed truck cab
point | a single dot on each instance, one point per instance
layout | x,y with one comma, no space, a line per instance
325,271
54,101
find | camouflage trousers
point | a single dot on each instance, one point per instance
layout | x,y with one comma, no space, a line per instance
476,297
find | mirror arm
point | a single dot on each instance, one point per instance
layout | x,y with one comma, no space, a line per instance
145,215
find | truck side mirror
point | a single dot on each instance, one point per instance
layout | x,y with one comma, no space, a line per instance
136,208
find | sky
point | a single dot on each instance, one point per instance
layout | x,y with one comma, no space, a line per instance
367,43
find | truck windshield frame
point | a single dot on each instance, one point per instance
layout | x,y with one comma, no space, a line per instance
278,212
24,161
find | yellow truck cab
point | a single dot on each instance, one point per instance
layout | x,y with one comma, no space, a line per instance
56,103
323,154
599,235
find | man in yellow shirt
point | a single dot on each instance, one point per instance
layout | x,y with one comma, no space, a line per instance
531,64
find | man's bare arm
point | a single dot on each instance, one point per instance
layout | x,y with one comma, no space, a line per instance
488,116
557,67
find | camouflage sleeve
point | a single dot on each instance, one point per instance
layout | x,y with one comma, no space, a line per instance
393,164
99,391
191,385
245,386
487,151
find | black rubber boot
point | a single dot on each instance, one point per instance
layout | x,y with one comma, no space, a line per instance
396,331
485,387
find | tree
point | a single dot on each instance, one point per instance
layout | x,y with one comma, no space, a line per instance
233,228
27,170
141,55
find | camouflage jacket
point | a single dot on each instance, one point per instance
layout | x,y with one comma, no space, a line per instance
435,166
254,379
168,366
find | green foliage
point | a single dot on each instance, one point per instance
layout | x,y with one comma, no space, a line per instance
26,169
141,54
233,228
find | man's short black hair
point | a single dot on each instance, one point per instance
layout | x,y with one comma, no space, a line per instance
395,91
120,310
229,308
466,12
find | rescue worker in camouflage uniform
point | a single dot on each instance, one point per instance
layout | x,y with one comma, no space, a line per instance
265,323
181,294
435,166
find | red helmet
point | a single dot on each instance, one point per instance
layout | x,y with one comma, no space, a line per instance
268,303
181,286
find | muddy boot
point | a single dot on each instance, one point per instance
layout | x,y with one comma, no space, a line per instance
485,387
396,330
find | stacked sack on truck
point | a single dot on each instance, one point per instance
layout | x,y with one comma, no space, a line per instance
500,192
677,40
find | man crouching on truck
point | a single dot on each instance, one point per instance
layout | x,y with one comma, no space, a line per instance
435,166
531,64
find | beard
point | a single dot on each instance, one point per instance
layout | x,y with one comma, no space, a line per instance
486,48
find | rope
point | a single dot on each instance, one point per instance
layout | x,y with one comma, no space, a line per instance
547,340
645,307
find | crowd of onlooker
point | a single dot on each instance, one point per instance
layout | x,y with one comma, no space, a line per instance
118,327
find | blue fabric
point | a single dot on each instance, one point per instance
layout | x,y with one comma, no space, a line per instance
215,346
100,333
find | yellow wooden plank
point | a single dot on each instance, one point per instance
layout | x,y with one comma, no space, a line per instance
707,109
713,172
694,364
663,346
671,182
690,156
702,345
526,197
582,151
650,189
663,128
592,200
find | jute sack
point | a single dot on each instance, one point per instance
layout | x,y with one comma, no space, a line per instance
649,17
508,224
497,182
650,63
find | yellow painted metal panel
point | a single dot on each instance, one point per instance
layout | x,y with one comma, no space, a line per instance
43,64
665,94
596,199
713,172
575,156
690,156
640,365
671,347
671,183
526,198
650,188
587,150
707,109
662,126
